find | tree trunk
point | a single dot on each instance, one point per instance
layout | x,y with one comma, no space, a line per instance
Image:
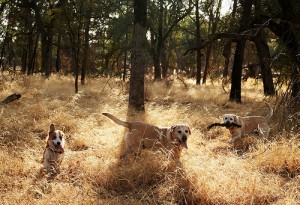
207,62
288,31
296,81
214,20
24,60
3,60
139,44
32,60
198,39
126,47
263,53
46,40
264,56
86,42
164,63
30,43
159,43
125,57
226,53
156,64
227,46
58,59
235,92
164,55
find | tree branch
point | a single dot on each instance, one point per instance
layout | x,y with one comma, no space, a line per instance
245,35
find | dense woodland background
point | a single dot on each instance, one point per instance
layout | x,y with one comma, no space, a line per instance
131,39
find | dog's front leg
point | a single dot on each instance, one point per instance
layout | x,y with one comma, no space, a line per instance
234,138
46,162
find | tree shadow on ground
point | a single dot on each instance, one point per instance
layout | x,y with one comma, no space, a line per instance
151,178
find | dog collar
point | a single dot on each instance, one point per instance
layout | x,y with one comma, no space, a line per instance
54,150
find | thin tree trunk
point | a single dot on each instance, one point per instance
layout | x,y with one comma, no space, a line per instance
213,27
159,43
58,59
46,37
30,43
4,45
24,60
227,46
164,63
207,62
164,55
126,47
156,64
198,39
31,64
86,43
125,57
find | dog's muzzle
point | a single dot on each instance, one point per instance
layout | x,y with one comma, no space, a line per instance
183,141
227,123
58,148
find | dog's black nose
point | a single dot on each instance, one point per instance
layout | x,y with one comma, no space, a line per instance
184,138
58,143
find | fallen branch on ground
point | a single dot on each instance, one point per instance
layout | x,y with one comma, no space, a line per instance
10,98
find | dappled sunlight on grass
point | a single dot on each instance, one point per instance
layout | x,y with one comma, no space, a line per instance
260,171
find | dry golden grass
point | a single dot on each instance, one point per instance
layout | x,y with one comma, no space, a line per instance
260,171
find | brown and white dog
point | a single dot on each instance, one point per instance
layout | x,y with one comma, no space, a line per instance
54,150
143,135
249,124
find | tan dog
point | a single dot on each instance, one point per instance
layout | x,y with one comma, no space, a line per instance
54,150
144,135
249,124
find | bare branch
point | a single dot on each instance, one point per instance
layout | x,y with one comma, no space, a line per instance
246,35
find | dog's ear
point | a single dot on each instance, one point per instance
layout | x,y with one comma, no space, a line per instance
173,128
189,130
52,128
172,131
235,118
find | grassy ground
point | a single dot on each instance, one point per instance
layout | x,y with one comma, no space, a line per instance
255,171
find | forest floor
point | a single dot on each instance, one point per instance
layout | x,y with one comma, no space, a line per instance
256,171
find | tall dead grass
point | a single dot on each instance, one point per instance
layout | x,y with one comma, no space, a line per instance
266,171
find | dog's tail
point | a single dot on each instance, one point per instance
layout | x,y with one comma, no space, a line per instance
270,113
116,120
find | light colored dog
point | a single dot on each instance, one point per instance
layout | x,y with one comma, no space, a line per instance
54,150
143,135
249,124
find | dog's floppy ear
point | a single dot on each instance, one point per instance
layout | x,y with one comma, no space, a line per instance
52,128
173,130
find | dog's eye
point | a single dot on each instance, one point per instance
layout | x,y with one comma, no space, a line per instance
186,131
179,131
225,118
